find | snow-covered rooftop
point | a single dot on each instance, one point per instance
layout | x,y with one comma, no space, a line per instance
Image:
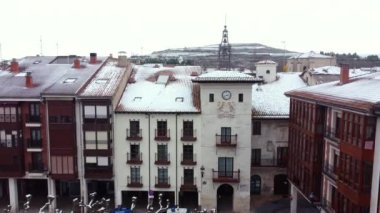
269,100
145,94
310,54
334,70
225,76
106,80
266,62
360,93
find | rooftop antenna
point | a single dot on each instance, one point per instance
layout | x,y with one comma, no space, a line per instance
225,19
40,45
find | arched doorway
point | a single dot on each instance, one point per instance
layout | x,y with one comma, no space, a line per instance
225,196
255,185
281,185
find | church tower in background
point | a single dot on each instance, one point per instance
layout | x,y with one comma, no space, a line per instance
224,52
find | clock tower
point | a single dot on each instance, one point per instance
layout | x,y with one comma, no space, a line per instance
226,110
224,52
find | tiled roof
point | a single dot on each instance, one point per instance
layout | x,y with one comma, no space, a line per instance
310,54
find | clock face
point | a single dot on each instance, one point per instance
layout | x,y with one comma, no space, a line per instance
226,95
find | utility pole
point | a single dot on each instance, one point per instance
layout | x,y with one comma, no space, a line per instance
40,45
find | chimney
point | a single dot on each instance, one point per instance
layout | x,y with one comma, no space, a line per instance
14,65
93,58
28,80
344,74
122,59
77,63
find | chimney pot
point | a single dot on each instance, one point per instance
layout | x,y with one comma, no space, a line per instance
344,73
122,59
77,63
28,80
93,58
14,65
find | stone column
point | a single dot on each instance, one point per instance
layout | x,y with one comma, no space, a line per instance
294,197
13,196
52,192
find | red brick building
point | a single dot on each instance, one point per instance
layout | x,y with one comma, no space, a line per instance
333,133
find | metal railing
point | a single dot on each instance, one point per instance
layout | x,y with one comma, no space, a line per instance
162,135
134,135
162,159
226,140
134,181
134,159
36,167
188,135
226,176
188,159
33,143
162,182
33,118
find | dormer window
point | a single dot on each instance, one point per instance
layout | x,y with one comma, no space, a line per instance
179,99
69,80
137,98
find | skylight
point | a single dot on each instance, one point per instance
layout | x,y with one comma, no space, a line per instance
137,98
162,79
179,99
69,80
102,80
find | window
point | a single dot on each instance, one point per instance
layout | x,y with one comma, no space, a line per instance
188,152
162,152
161,128
256,157
268,71
163,175
92,112
8,139
101,112
225,167
89,111
282,156
188,176
97,161
211,97
240,97
225,135
69,80
34,110
96,139
188,128
135,151
8,114
337,124
35,137
134,128
256,128
62,165
255,185
135,174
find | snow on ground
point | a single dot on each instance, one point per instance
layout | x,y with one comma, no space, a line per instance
269,99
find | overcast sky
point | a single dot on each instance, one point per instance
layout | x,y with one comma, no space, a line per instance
142,26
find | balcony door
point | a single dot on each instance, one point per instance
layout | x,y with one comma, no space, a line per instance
162,128
135,152
188,128
225,167
135,128
188,176
225,135
162,152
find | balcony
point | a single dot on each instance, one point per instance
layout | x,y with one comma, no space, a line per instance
34,144
32,118
37,167
162,135
188,135
163,182
162,159
134,182
91,118
330,171
226,176
269,162
12,170
134,135
98,171
226,140
188,159
188,184
134,158
332,135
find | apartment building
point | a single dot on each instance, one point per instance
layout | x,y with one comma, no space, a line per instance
333,144
309,60
40,125
186,135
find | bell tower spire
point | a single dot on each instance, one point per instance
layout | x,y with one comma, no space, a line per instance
224,52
